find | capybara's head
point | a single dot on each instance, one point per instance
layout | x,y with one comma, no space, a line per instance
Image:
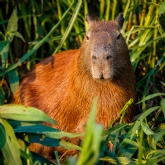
106,49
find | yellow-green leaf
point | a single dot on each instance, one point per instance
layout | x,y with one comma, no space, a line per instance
11,149
24,113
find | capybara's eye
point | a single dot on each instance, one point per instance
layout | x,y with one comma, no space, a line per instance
87,37
118,37
108,57
94,57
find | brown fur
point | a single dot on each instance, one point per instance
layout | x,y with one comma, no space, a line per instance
65,84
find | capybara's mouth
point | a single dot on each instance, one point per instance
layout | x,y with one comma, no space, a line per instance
102,80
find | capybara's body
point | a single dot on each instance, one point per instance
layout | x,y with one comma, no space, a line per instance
64,85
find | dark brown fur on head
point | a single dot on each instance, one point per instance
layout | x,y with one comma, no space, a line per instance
103,46
65,85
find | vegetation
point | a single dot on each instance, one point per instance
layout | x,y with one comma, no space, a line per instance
36,29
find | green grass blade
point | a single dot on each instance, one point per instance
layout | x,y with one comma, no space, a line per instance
146,113
151,97
91,141
70,25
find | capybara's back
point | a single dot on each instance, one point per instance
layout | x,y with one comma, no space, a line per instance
64,85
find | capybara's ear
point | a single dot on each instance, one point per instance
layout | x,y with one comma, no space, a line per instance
88,18
120,20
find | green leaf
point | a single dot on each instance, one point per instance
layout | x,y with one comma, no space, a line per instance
12,25
163,83
57,158
127,149
124,109
131,142
13,80
25,152
162,103
91,144
71,161
115,129
161,9
38,159
151,96
46,141
147,112
2,96
4,49
141,118
11,149
111,156
92,140
13,21
159,135
155,156
22,144
15,124
135,128
15,33
36,134
1,34
58,135
46,130
122,160
154,162
146,129
2,136
38,129
68,145
24,113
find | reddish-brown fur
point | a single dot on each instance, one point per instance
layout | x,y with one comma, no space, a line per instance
64,86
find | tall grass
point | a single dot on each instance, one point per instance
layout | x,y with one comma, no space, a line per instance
37,29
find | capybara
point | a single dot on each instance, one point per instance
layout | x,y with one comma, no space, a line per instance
64,85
